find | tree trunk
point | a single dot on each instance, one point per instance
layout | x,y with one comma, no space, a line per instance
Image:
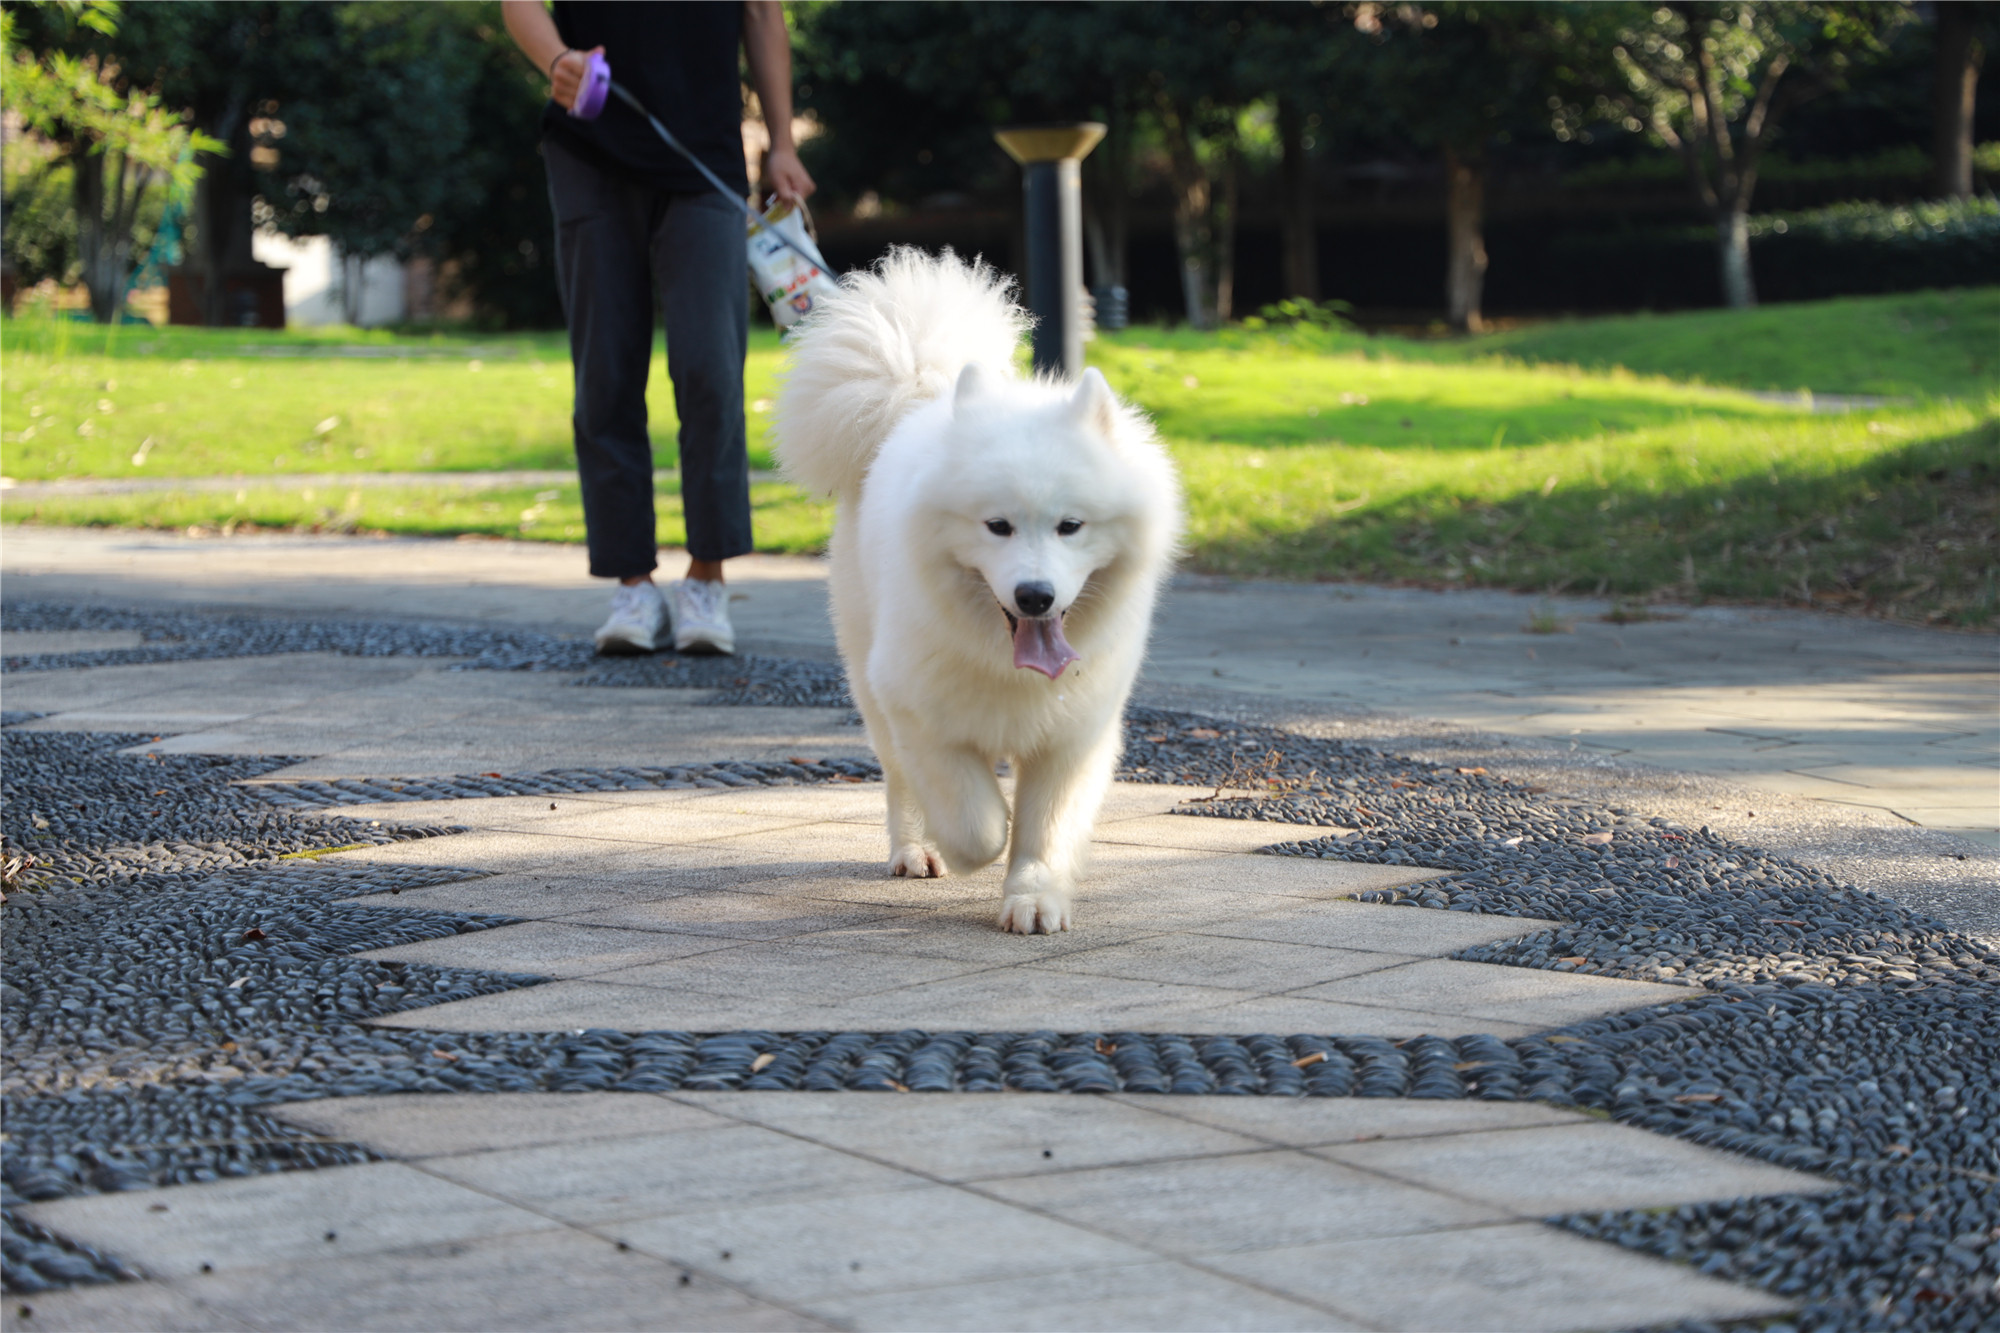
1108,173
1225,241
1194,214
1301,244
1732,248
1959,56
222,221
1465,218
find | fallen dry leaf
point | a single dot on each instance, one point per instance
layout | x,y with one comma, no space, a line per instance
445,1055
1699,1097
1673,863
489,775
763,1062
1473,772
1156,740
1306,1061
254,934
1403,782
849,777
1563,1040
1573,959
899,1087
1204,733
1105,1047
797,759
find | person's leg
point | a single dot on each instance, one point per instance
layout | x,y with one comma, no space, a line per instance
603,255
699,257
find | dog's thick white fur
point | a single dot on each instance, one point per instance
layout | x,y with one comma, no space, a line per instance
998,545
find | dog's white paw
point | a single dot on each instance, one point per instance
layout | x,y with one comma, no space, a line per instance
1034,913
916,861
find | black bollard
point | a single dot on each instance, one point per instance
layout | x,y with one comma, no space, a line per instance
1051,158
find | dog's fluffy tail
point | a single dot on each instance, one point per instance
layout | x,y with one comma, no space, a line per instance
894,337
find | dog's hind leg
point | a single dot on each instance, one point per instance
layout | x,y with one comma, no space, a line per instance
1055,809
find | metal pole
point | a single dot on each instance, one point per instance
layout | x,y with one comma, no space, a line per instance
1051,158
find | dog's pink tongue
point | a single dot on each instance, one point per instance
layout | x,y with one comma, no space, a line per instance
1040,646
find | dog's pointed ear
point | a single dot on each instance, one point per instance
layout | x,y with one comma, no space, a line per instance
1093,405
971,386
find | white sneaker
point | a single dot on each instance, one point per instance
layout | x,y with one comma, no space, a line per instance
637,617
701,617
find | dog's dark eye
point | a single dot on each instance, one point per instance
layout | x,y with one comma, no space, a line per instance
999,527
1069,527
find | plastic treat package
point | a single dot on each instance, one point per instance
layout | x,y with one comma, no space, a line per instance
789,284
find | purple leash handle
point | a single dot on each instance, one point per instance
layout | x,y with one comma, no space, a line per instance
591,96
596,85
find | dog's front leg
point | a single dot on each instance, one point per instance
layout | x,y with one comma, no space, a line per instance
1055,809
964,814
910,852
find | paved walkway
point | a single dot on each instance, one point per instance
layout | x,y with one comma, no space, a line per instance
767,909
1899,722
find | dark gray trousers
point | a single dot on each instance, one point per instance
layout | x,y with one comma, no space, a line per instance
617,243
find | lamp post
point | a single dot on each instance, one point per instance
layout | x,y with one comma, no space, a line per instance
1051,158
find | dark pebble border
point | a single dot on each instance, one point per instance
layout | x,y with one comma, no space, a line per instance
173,972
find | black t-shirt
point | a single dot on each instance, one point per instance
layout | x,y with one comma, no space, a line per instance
679,59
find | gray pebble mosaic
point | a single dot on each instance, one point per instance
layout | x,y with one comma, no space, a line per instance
1824,1028
189,636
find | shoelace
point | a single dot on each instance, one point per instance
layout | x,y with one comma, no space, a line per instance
703,598
630,601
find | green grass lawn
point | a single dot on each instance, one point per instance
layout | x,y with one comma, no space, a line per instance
1609,455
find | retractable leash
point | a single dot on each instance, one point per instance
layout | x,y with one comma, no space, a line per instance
589,105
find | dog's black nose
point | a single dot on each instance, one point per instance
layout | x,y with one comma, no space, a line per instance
1034,599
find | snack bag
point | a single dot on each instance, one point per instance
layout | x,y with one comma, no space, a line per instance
787,281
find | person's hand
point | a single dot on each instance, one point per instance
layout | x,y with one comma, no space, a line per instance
566,75
786,177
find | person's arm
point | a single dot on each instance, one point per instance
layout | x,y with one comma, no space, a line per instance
768,48
534,31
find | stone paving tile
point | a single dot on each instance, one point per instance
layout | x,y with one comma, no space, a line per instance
281,1218
658,1175
1207,834
1407,930
157,1307
1296,1013
421,1124
563,1280
933,1236
1309,1121
1167,1297
1523,1276
670,822
1573,1168
975,1137
1216,960
1249,1202
1506,994
742,916
789,972
534,897
1029,997
550,1007
553,949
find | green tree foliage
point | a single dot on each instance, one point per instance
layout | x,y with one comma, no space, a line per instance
1710,82
1455,78
115,143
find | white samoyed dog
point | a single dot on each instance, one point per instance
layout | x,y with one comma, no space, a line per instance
998,545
